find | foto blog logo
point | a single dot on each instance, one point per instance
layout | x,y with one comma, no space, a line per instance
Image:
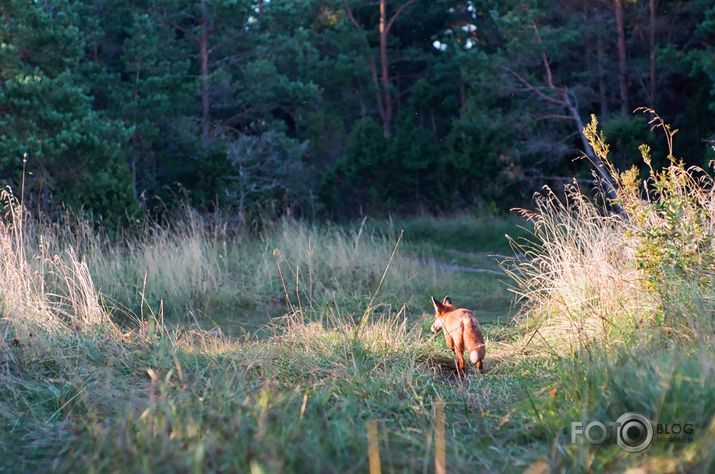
633,432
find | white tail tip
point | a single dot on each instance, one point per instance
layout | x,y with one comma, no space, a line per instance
474,356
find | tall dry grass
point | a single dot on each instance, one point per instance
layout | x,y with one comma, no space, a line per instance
590,273
577,275
348,349
193,270
42,293
178,267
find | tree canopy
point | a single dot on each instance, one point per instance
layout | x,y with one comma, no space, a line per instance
337,107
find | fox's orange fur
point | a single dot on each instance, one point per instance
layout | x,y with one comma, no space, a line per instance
461,331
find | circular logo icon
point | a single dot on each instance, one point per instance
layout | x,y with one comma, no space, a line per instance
635,432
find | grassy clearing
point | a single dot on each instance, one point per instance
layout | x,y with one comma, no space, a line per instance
186,349
197,273
145,381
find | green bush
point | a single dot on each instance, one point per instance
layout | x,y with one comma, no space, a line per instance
624,135
363,177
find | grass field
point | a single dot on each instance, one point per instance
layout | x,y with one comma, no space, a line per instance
190,350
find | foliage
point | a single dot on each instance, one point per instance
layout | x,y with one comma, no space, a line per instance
478,163
111,100
74,154
625,135
671,217
267,166
363,174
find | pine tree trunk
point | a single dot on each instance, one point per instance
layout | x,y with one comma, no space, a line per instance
204,57
384,65
622,75
600,60
652,53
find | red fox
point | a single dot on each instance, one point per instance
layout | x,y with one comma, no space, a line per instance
461,331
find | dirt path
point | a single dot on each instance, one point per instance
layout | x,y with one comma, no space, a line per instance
466,268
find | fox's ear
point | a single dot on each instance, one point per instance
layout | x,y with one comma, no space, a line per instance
439,307
447,301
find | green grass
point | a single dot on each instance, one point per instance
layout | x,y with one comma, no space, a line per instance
321,329
461,239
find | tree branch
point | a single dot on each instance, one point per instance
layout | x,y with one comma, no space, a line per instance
351,17
398,13
534,89
547,66
553,117
568,101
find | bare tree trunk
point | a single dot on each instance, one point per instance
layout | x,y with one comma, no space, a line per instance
600,60
204,57
601,170
652,5
135,138
384,66
620,32
381,80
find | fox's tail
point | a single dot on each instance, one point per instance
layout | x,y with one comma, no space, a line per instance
475,345
477,357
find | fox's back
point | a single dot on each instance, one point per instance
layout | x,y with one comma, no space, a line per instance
462,319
